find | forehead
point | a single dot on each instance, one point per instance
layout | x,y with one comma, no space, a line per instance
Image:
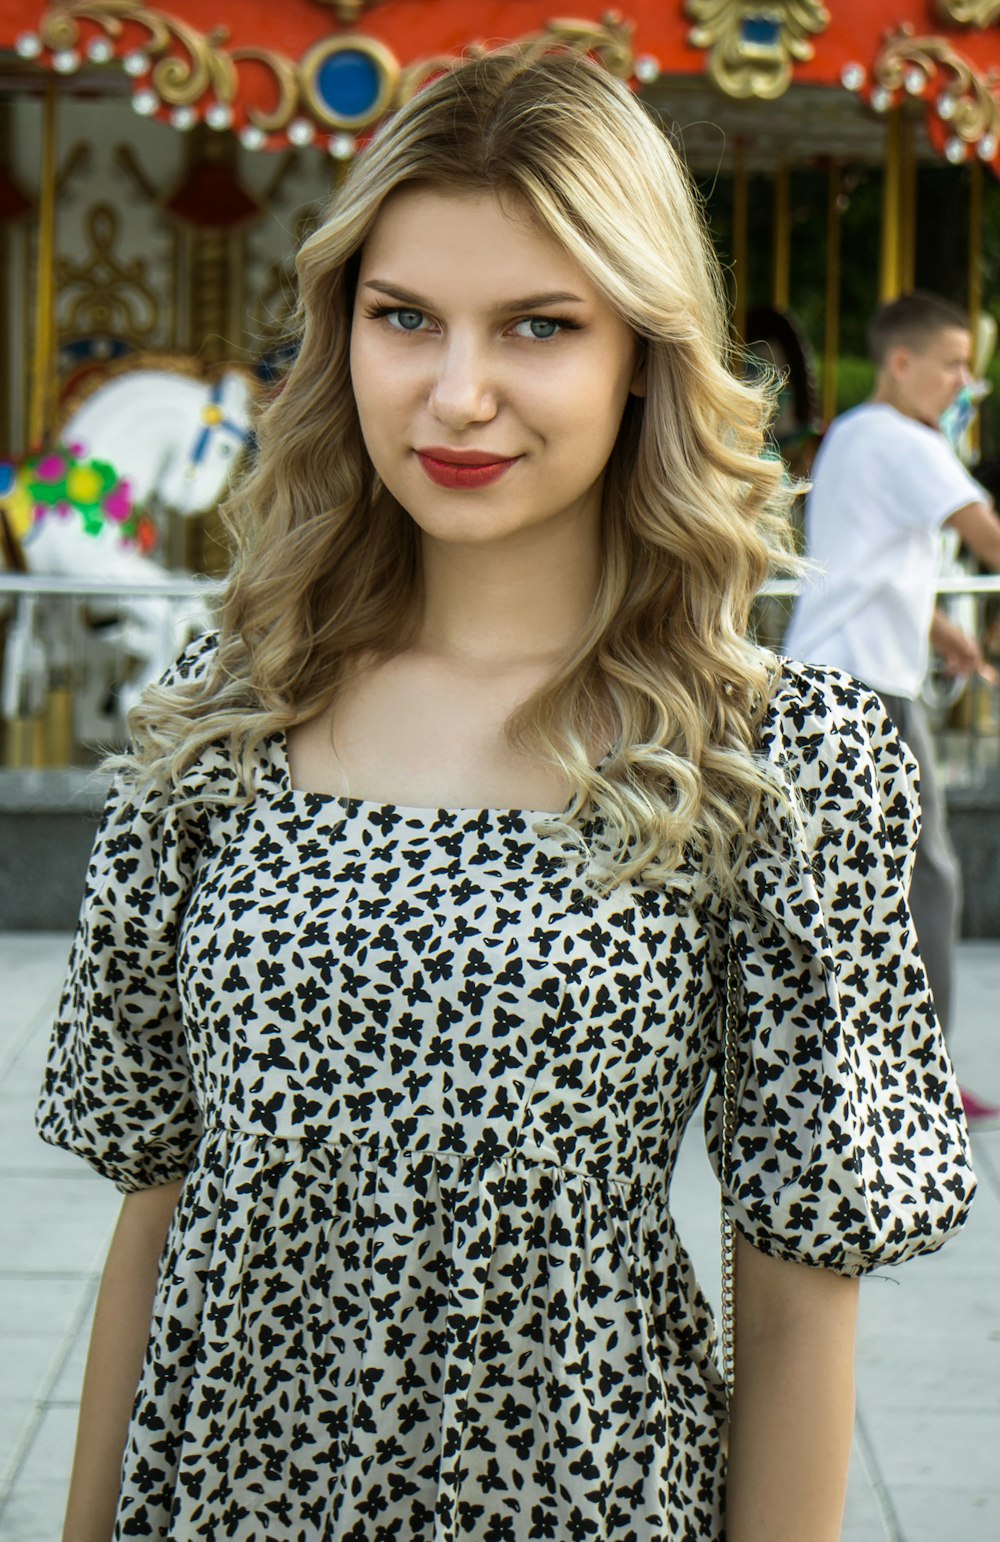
429,236
949,343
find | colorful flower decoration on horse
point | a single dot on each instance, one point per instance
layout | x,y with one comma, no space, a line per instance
59,482
15,503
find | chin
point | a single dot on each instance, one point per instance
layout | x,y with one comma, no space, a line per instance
463,532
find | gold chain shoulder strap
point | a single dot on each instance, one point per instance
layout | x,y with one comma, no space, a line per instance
730,1094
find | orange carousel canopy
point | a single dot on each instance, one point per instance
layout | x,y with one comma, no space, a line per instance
322,72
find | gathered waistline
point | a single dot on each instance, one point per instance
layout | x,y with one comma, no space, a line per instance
383,1152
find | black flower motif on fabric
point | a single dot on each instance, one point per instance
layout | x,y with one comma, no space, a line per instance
422,1282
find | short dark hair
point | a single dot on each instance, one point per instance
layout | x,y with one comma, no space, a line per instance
767,324
912,321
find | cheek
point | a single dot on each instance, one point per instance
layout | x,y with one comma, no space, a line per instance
923,380
358,374
367,403
585,436
372,384
593,399
361,353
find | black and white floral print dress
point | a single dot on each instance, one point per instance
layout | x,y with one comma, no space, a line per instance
422,1282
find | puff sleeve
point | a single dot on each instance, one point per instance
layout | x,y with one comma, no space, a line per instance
850,1149
118,1087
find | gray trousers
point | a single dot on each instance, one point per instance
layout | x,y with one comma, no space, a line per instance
936,890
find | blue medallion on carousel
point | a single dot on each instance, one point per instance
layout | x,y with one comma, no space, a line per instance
349,81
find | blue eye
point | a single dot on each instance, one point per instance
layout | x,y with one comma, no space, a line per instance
407,320
541,328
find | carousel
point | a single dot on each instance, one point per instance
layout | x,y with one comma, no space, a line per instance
159,163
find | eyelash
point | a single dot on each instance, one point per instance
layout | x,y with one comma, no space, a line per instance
379,311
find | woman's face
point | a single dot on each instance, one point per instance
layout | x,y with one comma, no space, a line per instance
489,373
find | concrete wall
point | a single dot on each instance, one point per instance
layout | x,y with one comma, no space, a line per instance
974,820
48,820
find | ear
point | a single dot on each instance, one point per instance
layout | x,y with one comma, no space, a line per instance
898,361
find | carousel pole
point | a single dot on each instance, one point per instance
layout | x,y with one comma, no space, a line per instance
974,303
42,378
781,261
6,363
907,203
26,732
831,331
975,277
889,251
740,206
47,737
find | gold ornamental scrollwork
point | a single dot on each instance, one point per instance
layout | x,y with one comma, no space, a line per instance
969,13
348,11
187,69
610,41
753,47
105,293
286,78
202,66
908,63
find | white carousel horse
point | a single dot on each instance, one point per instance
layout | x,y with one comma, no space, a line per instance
167,433
151,437
172,440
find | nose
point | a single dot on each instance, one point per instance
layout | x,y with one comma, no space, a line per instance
463,390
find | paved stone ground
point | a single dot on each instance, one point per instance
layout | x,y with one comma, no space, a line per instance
927,1454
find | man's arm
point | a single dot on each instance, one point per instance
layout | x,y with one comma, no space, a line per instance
960,653
979,527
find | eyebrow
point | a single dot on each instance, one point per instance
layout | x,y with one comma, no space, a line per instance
531,302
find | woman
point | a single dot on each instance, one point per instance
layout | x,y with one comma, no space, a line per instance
403,962
776,342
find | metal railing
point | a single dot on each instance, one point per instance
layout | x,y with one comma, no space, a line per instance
964,715
77,652
174,586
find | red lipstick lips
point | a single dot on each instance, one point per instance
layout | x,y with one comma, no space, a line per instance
464,468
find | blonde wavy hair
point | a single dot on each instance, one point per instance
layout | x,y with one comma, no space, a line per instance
328,571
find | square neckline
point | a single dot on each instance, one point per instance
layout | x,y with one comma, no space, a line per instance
348,801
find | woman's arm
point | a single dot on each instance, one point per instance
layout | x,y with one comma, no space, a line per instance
117,1345
793,1412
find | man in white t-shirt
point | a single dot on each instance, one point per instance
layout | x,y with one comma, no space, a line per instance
885,484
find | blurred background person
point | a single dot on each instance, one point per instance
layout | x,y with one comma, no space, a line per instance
886,483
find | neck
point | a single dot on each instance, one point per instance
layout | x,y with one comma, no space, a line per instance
509,603
887,394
